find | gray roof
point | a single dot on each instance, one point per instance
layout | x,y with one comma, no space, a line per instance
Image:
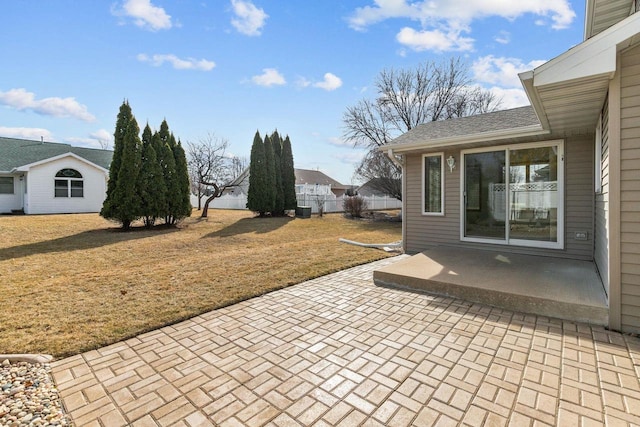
310,176
19,152
472,125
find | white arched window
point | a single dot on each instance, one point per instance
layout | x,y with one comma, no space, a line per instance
69,183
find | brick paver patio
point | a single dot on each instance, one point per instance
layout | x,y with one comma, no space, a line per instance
338,350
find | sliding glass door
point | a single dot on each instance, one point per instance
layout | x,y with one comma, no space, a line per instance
514,195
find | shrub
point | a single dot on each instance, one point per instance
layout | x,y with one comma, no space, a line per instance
354,206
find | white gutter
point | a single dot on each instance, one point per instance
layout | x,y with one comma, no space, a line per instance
452,141
393,158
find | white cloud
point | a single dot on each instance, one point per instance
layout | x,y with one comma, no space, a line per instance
501,71
351,157
339,142
301,82
510,98
26,133
435,40
269,77
249,19
22,100
145,15
99,139
454,12
177,63
503,37
330,82
443,21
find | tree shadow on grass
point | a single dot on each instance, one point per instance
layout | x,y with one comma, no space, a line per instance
86,240
251,225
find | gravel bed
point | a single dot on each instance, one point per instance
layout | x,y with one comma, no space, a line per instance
28,396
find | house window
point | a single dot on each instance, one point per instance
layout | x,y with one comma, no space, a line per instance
6,185
514,195
433,184
68,183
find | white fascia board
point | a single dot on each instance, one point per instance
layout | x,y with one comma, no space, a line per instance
596,56
25,168
533,130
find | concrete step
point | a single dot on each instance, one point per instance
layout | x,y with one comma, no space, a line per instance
546,286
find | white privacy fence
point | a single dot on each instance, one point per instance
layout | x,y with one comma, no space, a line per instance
331,202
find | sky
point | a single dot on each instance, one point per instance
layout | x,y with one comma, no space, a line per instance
226,68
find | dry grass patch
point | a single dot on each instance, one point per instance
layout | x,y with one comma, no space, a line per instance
70,283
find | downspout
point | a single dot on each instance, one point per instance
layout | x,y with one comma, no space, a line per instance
400,163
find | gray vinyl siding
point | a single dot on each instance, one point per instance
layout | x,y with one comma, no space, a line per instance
423,232
630,190
601,251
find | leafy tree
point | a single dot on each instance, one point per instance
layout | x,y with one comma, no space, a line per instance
183,195
405,99
123,201
258,198
276,141
151,186
271,173
288,176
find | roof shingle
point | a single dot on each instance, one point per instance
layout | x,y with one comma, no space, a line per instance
19,152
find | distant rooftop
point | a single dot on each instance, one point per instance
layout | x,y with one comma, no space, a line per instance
312,176
19,152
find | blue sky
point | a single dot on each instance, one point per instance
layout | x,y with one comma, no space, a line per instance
231,67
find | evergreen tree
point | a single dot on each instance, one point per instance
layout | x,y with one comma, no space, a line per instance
257,198
168,164
124,204
276,141
182,208
151,187
122,120
271,173
288,176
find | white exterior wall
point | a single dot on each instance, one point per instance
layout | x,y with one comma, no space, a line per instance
8,202
40,188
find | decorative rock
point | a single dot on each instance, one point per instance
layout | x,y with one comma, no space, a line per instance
28,396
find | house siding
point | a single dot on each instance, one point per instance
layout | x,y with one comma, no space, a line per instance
40,186
630,190
601,234
423,232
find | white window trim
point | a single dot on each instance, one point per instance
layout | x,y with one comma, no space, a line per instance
69,190
13,186
442,179
598,158
559,244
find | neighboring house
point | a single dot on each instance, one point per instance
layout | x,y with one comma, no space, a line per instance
312,182
371,189
39,177
560,178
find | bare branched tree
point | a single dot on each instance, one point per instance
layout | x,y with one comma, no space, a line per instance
407,98
211,168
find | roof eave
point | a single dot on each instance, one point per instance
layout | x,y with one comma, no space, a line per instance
454,141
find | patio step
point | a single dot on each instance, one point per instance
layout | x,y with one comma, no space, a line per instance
546,286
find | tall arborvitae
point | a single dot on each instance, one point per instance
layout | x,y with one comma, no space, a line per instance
257,197
288,176
122,121
276,142
271,172
124,206
182,208
168,164
151,187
